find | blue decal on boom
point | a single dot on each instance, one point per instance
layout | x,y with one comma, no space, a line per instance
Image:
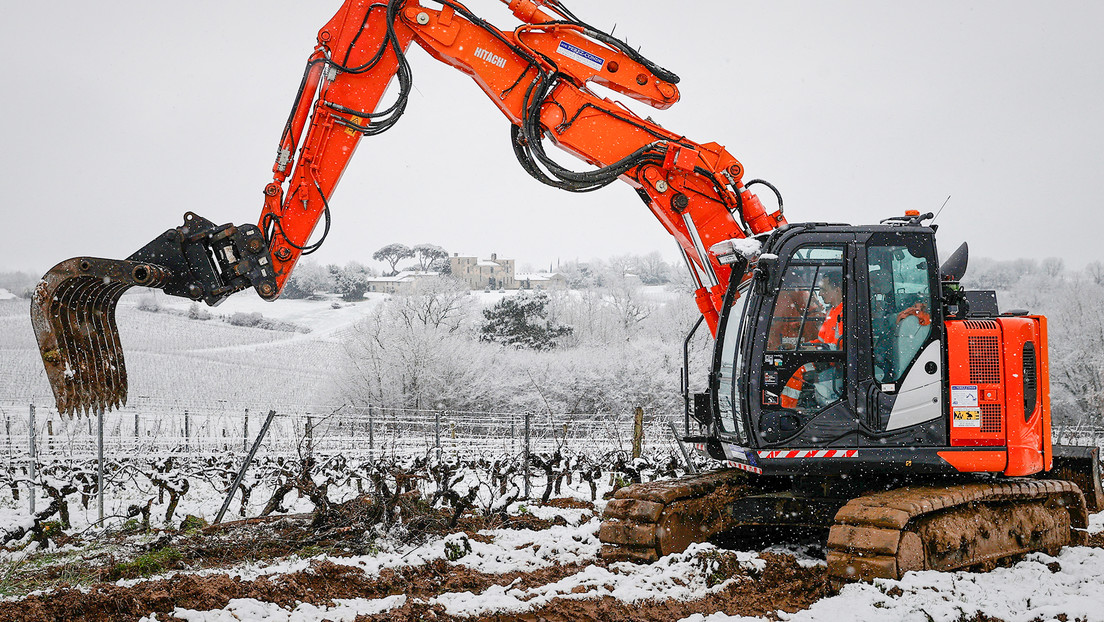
580,55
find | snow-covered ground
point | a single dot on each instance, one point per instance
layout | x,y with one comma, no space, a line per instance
1039,588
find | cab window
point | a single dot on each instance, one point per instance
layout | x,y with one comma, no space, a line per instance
805,302
900,308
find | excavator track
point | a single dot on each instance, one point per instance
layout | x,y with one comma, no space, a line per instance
643,522
882,534
885,534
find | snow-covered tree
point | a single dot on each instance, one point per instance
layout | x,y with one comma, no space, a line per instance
440,303
522,321
352,280
1095,272
651,269
430,257
307,278
392,254
414,352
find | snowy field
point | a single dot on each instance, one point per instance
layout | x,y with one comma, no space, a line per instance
537,561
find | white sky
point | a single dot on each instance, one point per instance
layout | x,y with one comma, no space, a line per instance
119,116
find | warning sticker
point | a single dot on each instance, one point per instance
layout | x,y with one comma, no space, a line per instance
580,55
966,418
964,395
770,399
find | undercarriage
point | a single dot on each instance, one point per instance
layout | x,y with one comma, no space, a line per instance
874,530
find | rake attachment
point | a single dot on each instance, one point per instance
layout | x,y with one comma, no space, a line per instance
73,307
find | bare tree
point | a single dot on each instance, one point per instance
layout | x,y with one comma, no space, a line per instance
438,302
1053,267
626,296
416,351
1095,271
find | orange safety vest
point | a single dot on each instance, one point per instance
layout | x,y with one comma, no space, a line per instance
792,391
831,330
920,310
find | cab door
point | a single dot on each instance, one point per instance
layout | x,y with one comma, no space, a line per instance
799,378
900,350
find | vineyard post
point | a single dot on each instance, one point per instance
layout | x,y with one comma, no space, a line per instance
100,463
437,432
245,431
371,435
34,460
245,465
186,435
525,457
638,432
310,436
135,428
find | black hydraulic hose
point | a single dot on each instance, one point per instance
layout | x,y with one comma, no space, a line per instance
777,194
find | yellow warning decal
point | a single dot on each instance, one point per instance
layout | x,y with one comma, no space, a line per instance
355,121
966,418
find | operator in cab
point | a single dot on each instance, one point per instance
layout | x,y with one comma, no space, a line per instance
820,384
831,294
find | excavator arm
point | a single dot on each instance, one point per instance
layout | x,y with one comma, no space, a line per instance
539,75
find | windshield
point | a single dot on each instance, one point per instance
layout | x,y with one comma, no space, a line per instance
730,409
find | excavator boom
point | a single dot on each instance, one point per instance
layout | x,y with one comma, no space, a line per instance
537,75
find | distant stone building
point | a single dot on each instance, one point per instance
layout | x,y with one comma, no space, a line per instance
493,273
400,283
541,281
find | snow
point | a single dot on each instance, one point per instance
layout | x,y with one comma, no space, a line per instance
1096,523
678,576
252,609
321,317
745,247
6,295
1028,591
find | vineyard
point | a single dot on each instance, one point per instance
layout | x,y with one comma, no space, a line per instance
366,514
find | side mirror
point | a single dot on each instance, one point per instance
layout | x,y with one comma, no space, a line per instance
764,271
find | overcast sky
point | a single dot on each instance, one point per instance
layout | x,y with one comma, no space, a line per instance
120,116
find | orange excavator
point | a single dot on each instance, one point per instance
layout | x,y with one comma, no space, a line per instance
856,388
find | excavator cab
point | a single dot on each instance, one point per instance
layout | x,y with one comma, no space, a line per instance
850,349
836,343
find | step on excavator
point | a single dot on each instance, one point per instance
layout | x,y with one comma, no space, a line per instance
856,387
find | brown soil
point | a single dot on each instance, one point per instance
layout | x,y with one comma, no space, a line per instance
319,585
1096,540
782,585
349,531
570,503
